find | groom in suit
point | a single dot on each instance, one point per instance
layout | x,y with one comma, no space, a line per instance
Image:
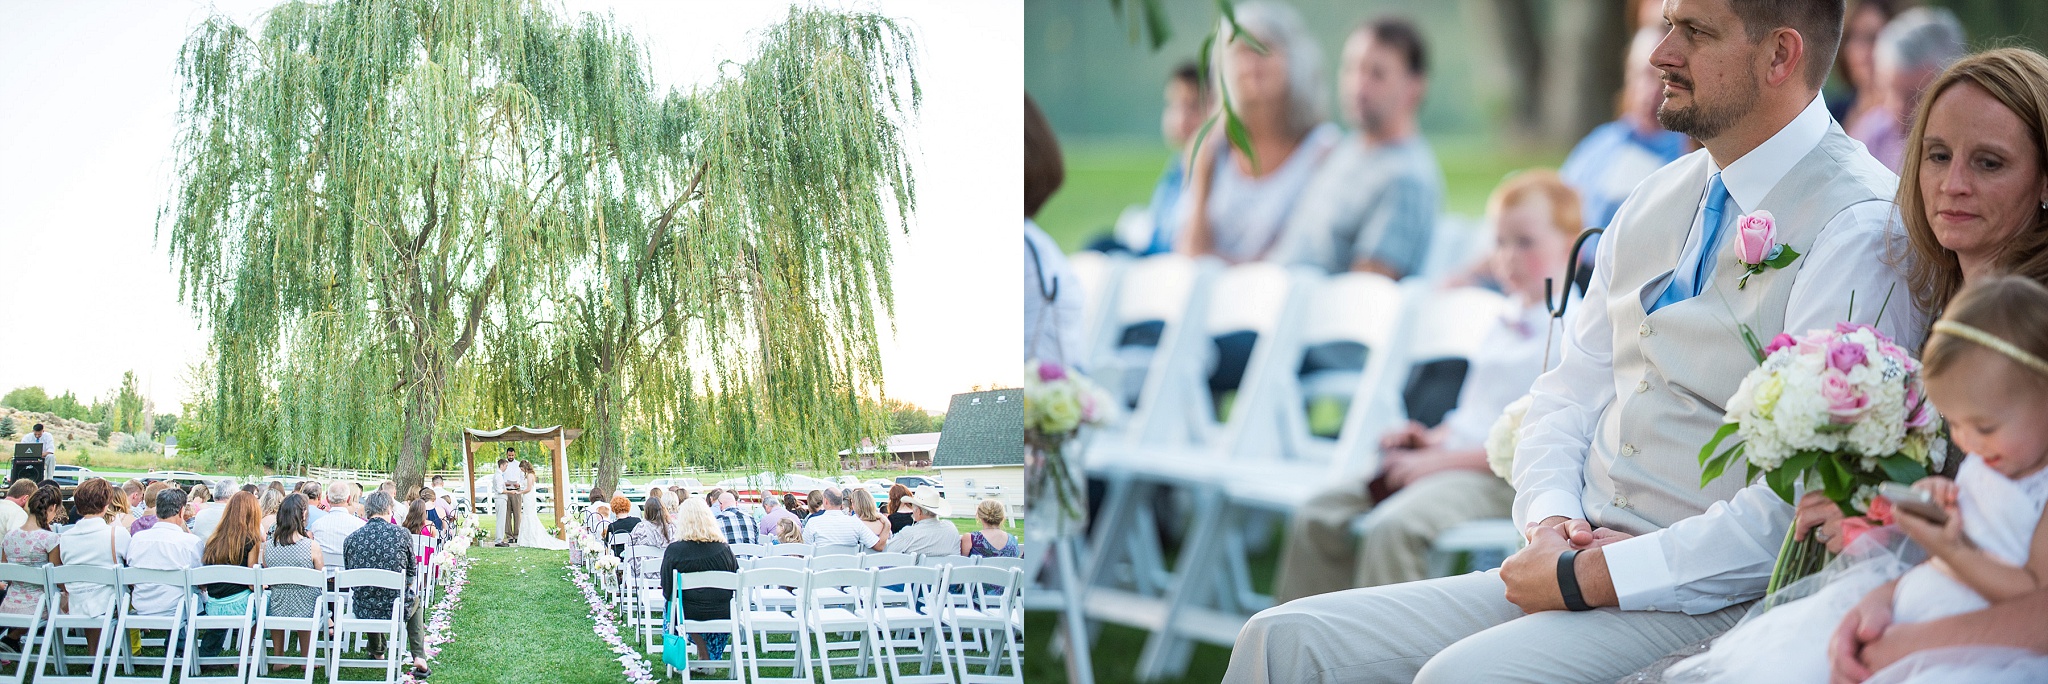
510,480
1628,557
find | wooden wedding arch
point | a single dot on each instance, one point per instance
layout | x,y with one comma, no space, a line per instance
556,439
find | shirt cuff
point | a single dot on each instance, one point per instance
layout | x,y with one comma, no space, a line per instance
1642,579
1554,502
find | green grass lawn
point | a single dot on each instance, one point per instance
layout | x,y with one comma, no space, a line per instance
522,621
1103,177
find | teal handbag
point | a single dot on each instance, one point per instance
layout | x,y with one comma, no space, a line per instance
675,645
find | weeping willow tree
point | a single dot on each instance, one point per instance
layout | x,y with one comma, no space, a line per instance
376,193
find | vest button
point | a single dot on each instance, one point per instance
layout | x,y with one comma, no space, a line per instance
1644,330
1643,386
1629,450
1620,501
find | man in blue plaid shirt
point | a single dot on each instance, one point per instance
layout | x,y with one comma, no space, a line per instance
735,523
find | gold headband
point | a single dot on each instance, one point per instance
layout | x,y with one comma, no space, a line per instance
1989,340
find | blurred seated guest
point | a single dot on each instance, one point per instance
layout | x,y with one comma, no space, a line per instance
932,534
700,547
1151,229
623,522
834,526
1911,50
33,545
816,505
237,540
1052,296
316,506
332,530
290,547
1608,163
137,499
1856,61
1436,478
12,513
991,541
1372,205
206,514
657,530
166,545
737,525
267,505
899,507
416,523
776,511
862,505
92,542
1236,209
119,513
379,544
787,531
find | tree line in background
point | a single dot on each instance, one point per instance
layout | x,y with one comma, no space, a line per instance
401,218
124,410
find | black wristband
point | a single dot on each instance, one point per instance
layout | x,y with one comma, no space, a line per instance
1568,582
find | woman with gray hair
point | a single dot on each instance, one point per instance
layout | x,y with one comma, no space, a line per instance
1911,50
1236,208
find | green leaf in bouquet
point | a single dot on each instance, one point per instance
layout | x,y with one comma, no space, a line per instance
1753,471
1781,480
1719,464
1707,451
1835,479
1756,348
1902,469
1785,255
1832,428
1800,462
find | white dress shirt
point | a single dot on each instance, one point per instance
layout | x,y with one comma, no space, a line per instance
11,516
1509,359
1697,564
837,528
333,529
164,546
86,543
46,439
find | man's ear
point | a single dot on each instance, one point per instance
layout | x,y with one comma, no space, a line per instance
1787,56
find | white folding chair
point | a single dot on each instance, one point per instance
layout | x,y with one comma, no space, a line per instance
761,623
998,562
59,622
792,550
783,562
242,626
987,612
644,604
914,625
840,602
311,627
423,581
836,549
1098,275
746,550
682,623
878,560
346,624
831,594
20,577
172,583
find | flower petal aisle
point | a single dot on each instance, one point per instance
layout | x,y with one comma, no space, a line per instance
638,670
454,563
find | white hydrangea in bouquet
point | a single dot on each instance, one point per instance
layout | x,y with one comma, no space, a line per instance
1058,402
1836,411
1504,436
607,562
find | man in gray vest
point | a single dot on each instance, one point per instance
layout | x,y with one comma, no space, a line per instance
1628,557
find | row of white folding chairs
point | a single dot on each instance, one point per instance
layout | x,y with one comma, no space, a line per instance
944,612
1240,471
47,628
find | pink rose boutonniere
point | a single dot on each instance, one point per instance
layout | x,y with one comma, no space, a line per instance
1757,247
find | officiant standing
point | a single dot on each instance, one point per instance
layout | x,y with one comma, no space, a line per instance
512,482
1629,558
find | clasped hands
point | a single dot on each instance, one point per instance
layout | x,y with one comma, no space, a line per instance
1531,574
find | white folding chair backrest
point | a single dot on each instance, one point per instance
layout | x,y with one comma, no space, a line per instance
1451,323
1097,275
859,583
744,549
369,578
833,562
1353,307
836,550
1250,297
943,561
18,575
791,550
1155,288
998,562
244,624
69,577
780,563
886,560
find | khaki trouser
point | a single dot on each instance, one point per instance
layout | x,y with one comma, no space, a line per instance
1455,629
1320,555
512,503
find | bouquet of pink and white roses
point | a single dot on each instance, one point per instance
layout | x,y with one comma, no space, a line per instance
1057,404
1837,411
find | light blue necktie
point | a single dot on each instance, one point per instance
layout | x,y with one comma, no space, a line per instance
1686,283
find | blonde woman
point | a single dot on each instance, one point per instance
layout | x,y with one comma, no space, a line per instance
272,498
700,547
787,532
863,508
991,541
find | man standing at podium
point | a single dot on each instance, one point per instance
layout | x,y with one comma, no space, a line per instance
39,436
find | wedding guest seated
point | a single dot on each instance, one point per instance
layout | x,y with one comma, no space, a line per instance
735,523
1911,50
700,547
899,507
1237,210
931,534
237,540
11,512
1437,478
991,541
33,545
862,505
316,506
815,505
623,522
1855,65
416,522
92,541
206,511
136,493
267,505
290,547
1372,205
167,545
381,545
833,526
333,529
787,532
119,513
658,529
1154,229
1609,162
776,511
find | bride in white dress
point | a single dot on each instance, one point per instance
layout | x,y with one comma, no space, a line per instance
531,534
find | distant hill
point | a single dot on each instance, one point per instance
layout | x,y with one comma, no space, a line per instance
65,429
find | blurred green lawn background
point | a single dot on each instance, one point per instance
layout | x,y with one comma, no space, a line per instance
1106,175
